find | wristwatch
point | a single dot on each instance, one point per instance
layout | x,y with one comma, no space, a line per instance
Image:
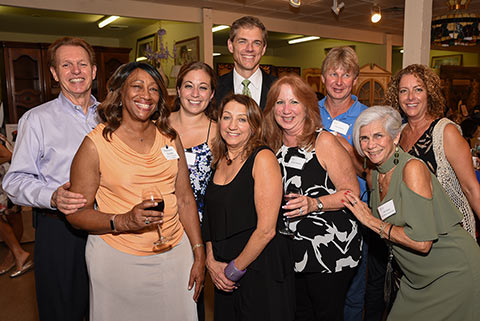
319,204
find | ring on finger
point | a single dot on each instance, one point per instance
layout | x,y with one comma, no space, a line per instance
147,220
300,211
354,203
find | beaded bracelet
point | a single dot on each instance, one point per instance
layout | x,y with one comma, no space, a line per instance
232,272
382,228
195,246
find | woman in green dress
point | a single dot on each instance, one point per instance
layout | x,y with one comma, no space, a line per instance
410,210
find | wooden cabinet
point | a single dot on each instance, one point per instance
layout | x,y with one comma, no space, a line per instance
372,82
27,81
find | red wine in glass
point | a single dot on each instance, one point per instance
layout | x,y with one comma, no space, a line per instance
160,205
153,194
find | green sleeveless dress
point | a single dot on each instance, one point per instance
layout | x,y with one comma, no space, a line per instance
443,284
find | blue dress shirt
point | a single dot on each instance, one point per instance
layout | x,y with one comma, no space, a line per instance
349,118
48,138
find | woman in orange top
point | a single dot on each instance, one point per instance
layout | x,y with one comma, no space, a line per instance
134,149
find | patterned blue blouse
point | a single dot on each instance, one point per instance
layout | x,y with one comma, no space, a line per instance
200,171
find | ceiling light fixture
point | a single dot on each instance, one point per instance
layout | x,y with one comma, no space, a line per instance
220,27
106,20
215,54
303,39
376,14
295,3
336,7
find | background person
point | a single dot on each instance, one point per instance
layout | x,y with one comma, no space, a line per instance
247,43
194,118
326,241
132,150
338,110
249,263
11,226
409,208
48,138
416,93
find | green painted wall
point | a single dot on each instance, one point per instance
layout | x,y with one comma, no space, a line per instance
311,54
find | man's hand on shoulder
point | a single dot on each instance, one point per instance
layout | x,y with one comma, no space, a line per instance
65,201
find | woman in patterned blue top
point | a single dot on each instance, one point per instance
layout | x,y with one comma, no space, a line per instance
193,118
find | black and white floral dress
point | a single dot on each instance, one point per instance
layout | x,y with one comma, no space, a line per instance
327,241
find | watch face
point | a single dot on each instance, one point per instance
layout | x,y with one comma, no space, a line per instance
319,204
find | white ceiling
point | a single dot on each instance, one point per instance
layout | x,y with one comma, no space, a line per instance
355,14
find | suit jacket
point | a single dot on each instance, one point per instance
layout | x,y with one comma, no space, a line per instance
225,87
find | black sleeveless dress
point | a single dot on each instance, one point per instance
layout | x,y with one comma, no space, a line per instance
266,291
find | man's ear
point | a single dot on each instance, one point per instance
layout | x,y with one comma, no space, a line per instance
230,46
54,73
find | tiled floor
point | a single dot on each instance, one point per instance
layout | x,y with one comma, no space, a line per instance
18,299
17,296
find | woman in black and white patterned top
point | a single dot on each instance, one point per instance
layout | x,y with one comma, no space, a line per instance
327,243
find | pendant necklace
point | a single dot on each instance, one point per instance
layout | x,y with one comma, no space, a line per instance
230,160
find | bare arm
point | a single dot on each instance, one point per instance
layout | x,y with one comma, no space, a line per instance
85,177
458,155
336,161
5,154
268,197
417,177
188,214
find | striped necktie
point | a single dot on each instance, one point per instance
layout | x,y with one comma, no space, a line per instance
245,90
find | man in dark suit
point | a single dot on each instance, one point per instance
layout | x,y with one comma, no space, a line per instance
247,43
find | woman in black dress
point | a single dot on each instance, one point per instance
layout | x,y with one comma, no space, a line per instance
249,263
326,240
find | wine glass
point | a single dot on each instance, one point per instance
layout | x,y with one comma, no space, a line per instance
291,189
153,194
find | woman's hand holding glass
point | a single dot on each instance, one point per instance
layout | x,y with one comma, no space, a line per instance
297,204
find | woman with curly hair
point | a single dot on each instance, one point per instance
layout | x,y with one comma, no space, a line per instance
415,92
133,276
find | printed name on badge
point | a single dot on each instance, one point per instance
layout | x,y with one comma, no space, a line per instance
191,157
296,162
339,127
386,210
170,153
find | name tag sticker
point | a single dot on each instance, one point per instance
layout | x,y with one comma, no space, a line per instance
169,153
191,157
386,210
296,162
339,127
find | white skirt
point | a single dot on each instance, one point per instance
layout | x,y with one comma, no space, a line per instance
128,287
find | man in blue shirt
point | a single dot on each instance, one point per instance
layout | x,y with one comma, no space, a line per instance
339,110
48,138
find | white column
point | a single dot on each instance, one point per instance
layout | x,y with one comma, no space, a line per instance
416,32
207,36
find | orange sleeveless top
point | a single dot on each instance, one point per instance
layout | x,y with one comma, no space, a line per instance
124,173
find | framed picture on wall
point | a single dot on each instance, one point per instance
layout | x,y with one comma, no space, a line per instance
452,60
143,44
187,51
